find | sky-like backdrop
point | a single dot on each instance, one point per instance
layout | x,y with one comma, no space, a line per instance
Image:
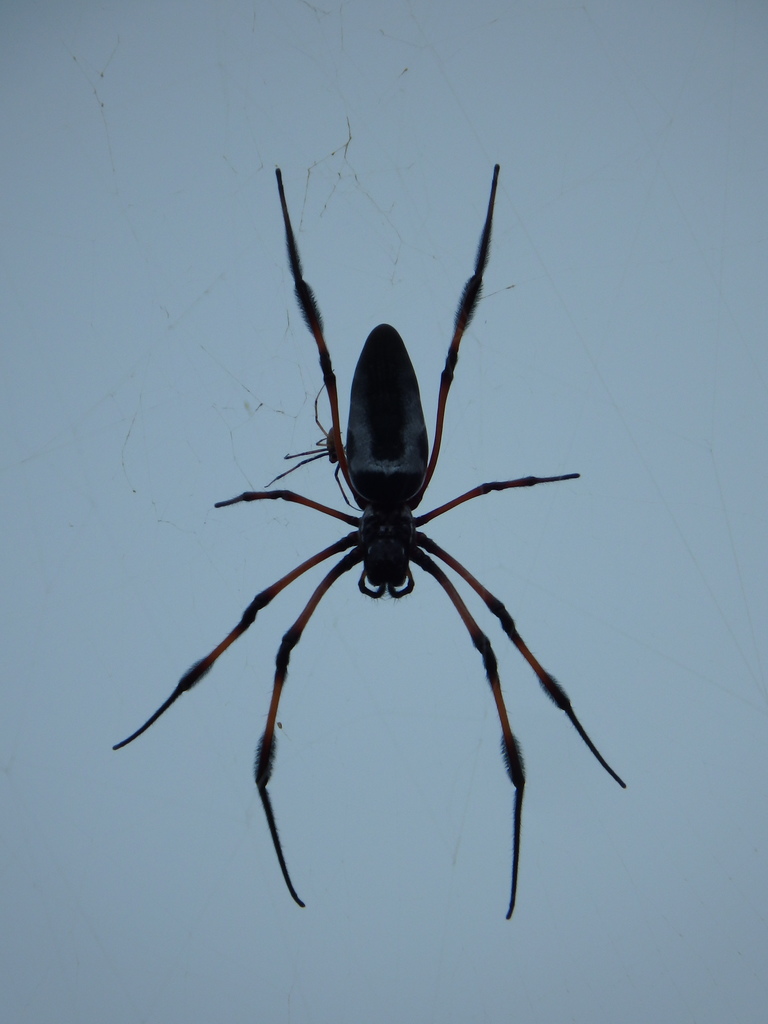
154,361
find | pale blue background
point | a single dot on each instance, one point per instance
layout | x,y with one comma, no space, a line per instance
154,362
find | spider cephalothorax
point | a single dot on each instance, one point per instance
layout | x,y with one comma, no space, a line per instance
387,465
386,536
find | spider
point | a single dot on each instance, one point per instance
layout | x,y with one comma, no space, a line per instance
325,448
387,465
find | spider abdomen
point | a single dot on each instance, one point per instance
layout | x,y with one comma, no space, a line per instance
387,445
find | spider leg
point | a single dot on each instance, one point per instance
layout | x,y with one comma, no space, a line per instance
313,457
549,684
464,314
326,448
299,499
497,485
328,442
313,320
265,755
200,668
509,748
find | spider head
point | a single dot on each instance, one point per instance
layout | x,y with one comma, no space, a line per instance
386,535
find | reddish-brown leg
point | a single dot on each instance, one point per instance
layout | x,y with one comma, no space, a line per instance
465,312
313,320
298,499
200,668
265,755
509,747
550,685
498,485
